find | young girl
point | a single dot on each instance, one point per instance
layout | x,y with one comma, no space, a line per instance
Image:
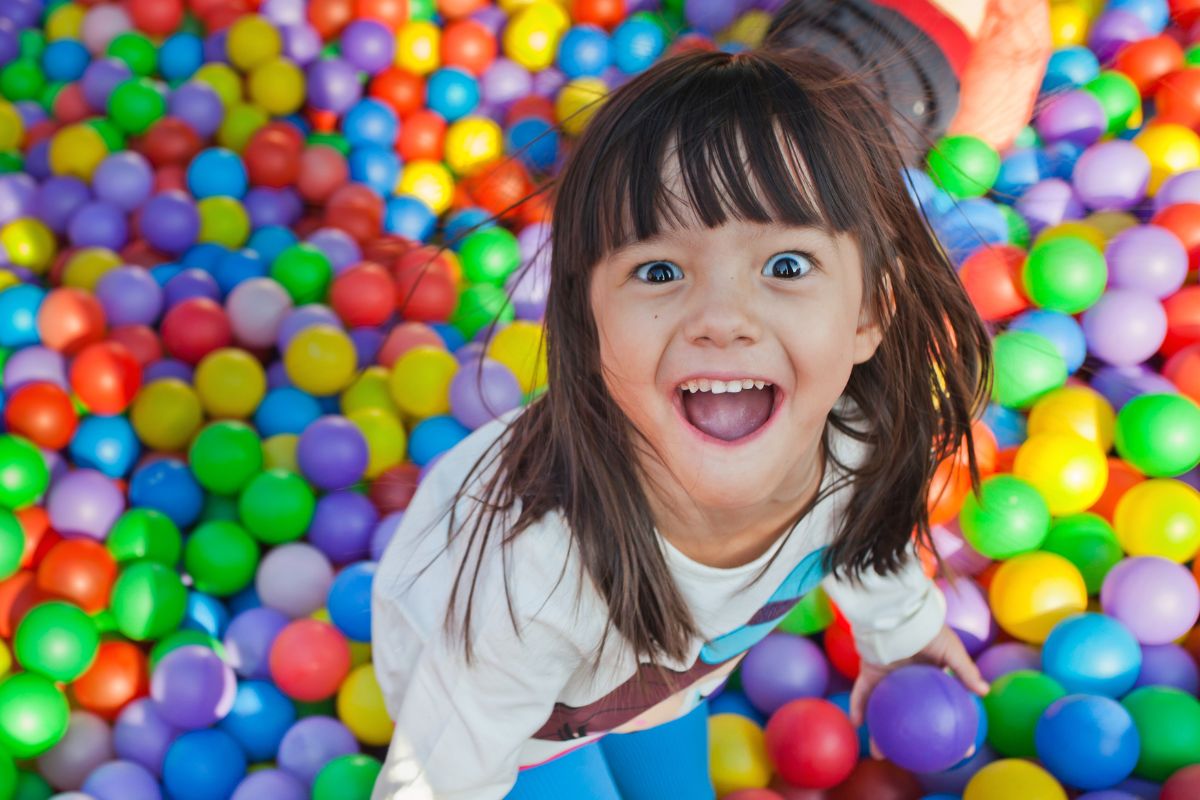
757,357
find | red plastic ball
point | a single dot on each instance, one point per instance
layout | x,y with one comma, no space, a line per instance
422,136
40,538
79,570
469,45
18,594
1183,220
363,295
842,652
400,89
106,376
456,9
1183,370
116,678
1183,320
1147,61
1183,785
1184,12
272,157
70,319
992,278
788,792
71,105
42,413
878,780
155,17
328,17
753,794
425,295
605,13
533,105
812,743
501,187
357,210
392,13
169,141
309,659
322,171
194,328
1177,98
393,490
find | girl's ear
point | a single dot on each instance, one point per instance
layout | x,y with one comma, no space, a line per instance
871,329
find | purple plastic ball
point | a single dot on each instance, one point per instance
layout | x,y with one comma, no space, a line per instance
482,391
1075,116
783,667
968,613
548,82
383,534
922,719
332,453
1168,665
710,16
1148,258
312,743
529,287
98,223
1113,30
342,525
368,45
333,85
58,199
170,222
301,43
1182,187
367,342
85,502
248,640
99,80
34,364
1157,599
1119,385
189,284
1125,327
1001,659
141,735
17,194
124,179
193,687
491,17
1048,203
168,368
199,105
122,780
338,246
270,784
129,296
266,206
505,82
1111,175
956,551
283,12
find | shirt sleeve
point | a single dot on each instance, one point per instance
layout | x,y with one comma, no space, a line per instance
459,726
894,616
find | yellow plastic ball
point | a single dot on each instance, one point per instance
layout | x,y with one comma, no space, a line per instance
360,653
29,244
1032,592
531,36
8,279
473,143
577,102
737,754
1159,517
12,127
1068,25
428,181
231,383
1068,471
320,360
224,80
1073,229
749,29
1011,778
240,123
418,47
360,706
1075,409
279,452
253,40
369,390
420,381
277,86
166,414
6,660
65,22
522,348
1110,223
77,150
223,221
385,437
85,268
1171,148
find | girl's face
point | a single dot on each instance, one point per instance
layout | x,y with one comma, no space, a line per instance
727,348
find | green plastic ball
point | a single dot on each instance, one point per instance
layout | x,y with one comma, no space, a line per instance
181,638
479,306
22,79
1018,228
349,777
1118,96
1168,722
12,544
316,708
331,139
1088,542
1159,434
143,533
422,10
221,558
56,639
1028,137
1007,518
1191,56
24,475
965,166
137,51
135,105
219,507
10,162
1065,274
33,43
50,93
8,775
812,614
304,271
148,601
489,256
31,786
114,137
225,455
276,506
1027,366
33,715
1014,705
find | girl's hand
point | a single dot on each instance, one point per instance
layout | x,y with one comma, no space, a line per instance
944,651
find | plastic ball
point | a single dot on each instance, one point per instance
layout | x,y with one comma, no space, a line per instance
1067,470
252,40
28,243
259,718
1011,776
532,35
312,743
1007,518
203,764
57,640
224,456
1032,592
1125,327
1092,654
360,706
1158,601
80,571
86,745
230,383
166,414
193,687
922,719
220,557
1159,517
768,686
964,166
277,86
33,714
420,381
1168,725
42,413
738,756
812,743
1159,434
480,393
77,150
578,102
276,506
1027,366
350,776
320,360
1088,542
1066,275
148,601
1078,410
1171,148
116,678
295,579
309,660
143,533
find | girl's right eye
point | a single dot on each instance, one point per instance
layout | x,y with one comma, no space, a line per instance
658,272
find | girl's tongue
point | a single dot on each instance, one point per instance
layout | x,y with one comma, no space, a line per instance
729,416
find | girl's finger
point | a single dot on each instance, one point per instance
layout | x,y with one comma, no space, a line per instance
863,686
964,667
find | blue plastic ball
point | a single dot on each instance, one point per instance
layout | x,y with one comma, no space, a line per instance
349,601
1092,654
434,436
1087,741
637,43
1155,13
201,765
179,56
534,141
370,122
1069,68
463,223
285,410
106,444
19,307
167,485
731,701
1019,170
271,240
451,336
842,701
65,60
206,613
452,92
583,52
376,166
217,172
237,266
203,256
260,716
409,217
1061,329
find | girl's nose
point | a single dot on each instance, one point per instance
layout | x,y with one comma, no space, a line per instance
723,315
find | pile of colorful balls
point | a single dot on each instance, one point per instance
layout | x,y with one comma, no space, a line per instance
264,263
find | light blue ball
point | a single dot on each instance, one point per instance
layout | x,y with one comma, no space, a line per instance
167,485
180,56
106,444
1069,68
1092,654
370,122
452,92
636,44
217,172
434,436
260,716
1087,741
201,765
1061,329
19,306
205,613
583,52
409,217
285,410
349,601
376,166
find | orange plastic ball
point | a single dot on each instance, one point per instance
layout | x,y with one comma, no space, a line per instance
42,413
456,9
469,45
155,17
1183,320
839,646
500,187
18,594
605,13
392,13
1177,98
79,570
400,89
40,538
949,487
1183,370
1184,12
1145,62
70,319
1121,478
328,17
992,278
106,376
422,137
116,678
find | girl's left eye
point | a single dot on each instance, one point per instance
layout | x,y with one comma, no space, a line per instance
659,272
788,265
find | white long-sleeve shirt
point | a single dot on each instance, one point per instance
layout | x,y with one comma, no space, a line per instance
464,730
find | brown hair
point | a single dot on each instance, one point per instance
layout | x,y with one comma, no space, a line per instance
734,124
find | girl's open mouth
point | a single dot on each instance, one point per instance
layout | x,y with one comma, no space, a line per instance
727,410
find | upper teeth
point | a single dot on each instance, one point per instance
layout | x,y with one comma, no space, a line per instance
721,387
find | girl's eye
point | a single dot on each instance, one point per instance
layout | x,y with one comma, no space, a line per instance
659,272
788,265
